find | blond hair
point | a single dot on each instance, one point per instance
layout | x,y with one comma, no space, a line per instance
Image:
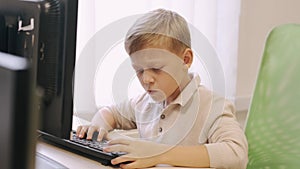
159,28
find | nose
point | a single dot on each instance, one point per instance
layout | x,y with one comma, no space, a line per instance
147,76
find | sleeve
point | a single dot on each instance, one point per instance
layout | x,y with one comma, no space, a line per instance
227,145
124,113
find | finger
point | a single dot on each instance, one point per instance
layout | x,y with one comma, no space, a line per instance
122,159
90,132
82,132
136,163
78,130
126,165
102,133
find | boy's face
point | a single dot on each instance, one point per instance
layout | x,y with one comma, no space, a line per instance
159,71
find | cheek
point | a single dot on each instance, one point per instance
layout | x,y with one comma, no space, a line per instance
175,72
167,83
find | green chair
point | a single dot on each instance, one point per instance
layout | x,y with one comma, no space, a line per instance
273,122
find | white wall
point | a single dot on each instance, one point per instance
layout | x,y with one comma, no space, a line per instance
257,18
98,61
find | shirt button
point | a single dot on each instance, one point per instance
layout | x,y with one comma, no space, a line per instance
160,129
162,116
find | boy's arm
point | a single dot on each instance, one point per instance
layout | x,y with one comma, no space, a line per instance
120,116
199,156
104,119
142,153
186,156
227,145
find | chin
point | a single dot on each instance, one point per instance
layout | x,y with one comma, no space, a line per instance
157,96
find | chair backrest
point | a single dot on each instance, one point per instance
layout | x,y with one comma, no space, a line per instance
273,122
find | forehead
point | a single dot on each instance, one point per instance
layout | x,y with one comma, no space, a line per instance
150,56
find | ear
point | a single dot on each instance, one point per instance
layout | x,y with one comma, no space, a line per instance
188,57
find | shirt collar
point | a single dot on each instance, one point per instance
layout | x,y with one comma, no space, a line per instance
188,91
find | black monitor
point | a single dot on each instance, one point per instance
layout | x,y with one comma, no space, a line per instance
44,32
18,113
55,67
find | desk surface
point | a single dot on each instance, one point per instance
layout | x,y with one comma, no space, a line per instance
72,160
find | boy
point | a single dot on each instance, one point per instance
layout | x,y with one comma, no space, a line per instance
180,122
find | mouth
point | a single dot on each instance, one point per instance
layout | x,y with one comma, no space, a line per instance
152,92
156,95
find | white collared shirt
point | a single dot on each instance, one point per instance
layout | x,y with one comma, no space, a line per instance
196,116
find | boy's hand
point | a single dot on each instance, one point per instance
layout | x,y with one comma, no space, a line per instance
102,122
114,134
138,153
88,131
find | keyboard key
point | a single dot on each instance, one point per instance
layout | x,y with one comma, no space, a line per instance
90,143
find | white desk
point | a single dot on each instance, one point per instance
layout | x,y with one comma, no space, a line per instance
75,161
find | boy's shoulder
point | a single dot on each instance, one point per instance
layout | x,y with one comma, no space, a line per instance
214,97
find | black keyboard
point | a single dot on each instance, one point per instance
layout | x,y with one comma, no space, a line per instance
91,149
93,143
90,143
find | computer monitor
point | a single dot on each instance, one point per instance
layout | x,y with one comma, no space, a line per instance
55,67
18,113
44,31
